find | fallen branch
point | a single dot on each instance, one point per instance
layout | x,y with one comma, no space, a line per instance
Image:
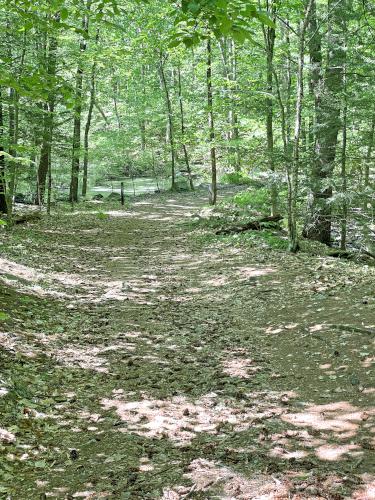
255,225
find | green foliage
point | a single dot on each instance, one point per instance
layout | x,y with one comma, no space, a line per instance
102,216
235,178
3,316
230,18
258,199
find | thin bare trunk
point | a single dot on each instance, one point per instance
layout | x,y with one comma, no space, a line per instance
186,156
76,149
88,125
293,173
3,190
211,125
269,39
170,120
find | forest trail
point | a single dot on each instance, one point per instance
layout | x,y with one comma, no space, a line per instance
154,363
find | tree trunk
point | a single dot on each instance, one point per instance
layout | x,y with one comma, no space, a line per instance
48,122
370,146
76,150
293,172
211,126
88,125
228,54
269,39
344,215
170,121
142,121
3,190
328,123
186,156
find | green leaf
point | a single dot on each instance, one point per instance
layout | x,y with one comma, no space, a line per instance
40,464
3,316
64,13
262,16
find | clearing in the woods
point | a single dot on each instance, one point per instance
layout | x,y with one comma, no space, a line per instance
143,357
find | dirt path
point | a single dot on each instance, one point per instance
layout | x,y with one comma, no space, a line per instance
142,359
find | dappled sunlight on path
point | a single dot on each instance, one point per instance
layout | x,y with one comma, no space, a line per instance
177,367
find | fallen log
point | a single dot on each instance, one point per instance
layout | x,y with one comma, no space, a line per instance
254,225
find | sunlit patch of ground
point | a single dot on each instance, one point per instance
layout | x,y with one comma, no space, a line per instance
342,418
223,482
180,419
238,367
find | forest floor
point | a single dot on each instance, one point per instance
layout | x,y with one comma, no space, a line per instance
142,357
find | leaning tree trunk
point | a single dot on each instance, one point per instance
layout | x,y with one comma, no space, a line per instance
3,191
211,125
328,124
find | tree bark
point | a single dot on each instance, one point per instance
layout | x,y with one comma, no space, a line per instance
328,94
293,172
170,121
269,39
211,125
48,122
344,180
3,190
186,156
76,150
88,125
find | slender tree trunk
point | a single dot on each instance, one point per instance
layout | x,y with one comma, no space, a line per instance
344,181
293,172
211,125
142,121
88,125
170,121
48,122
3,190
229,58
269,39
234,114
86,136
11,148
370,146
76,150
186,156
